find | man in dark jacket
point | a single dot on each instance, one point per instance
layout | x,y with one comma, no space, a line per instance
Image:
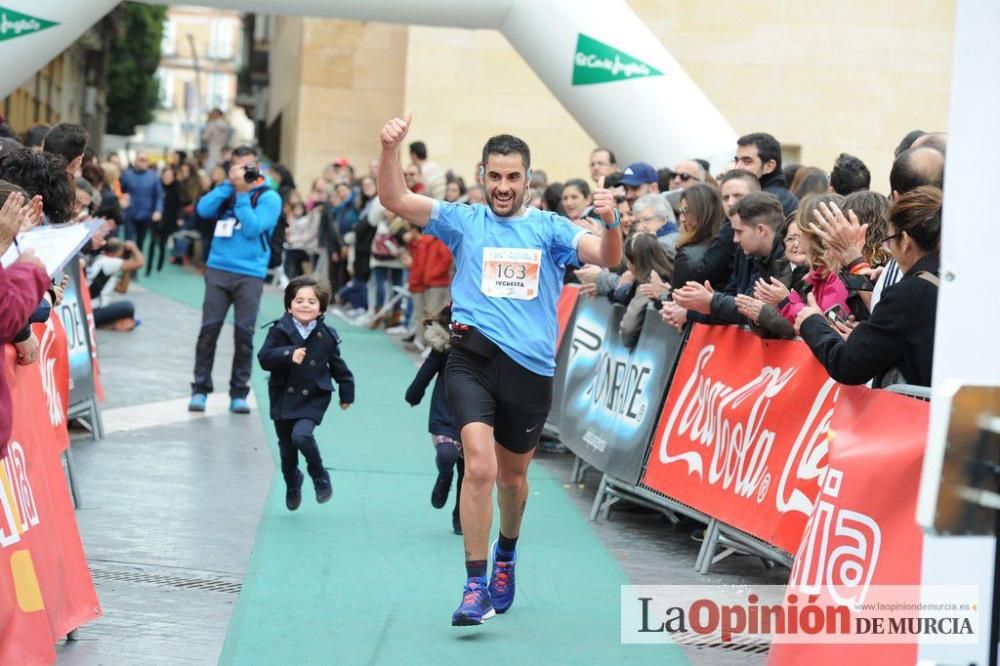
716,265
145,198
761,256
760,154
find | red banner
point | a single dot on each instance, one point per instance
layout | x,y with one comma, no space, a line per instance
45,585
743,434
565,307
862,531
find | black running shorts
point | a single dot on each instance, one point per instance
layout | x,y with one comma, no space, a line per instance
501,393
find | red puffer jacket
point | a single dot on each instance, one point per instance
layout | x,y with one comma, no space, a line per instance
431,264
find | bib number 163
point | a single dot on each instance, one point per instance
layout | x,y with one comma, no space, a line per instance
511,272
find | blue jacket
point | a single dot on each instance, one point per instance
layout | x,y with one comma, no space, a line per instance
248,250
145,191
346,215
304,390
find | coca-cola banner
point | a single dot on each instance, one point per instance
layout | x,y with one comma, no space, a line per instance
743,434
612,395
863,531
45,584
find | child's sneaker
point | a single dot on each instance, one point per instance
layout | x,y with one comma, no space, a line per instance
475,607
198,401
293,494
324,488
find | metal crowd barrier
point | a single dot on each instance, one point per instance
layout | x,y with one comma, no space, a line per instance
721,540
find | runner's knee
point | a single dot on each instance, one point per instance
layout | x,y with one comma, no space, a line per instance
480,470
511,481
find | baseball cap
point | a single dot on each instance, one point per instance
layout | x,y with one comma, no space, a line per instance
638,173
341,162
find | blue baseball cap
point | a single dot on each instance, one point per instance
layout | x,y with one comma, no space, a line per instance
638,173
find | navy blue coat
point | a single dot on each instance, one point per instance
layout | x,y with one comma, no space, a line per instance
303,391
441,421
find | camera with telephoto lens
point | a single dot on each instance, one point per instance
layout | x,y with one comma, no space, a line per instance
251,174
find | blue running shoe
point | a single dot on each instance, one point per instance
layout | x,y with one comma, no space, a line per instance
239,406
197,403
501,587
476,607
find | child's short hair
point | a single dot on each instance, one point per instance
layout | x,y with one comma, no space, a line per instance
322,290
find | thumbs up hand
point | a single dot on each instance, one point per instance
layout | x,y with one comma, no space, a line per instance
394,132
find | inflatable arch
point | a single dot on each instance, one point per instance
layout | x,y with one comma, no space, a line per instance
595,57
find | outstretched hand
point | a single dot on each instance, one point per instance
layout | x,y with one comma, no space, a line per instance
394,132
844,237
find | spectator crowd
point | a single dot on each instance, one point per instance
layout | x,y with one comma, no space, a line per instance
785,250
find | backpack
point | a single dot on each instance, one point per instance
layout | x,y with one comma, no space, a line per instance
276,241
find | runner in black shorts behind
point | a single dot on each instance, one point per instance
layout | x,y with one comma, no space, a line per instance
510,260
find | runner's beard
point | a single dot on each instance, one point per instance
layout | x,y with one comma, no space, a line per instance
515,202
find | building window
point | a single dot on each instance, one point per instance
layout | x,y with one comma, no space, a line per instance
219,84
168,46
220,44
166,81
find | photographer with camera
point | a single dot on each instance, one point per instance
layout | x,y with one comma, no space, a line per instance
246,212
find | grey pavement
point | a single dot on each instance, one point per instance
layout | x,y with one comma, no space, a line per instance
169,510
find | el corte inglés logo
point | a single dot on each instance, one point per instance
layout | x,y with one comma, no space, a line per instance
596,62
15,24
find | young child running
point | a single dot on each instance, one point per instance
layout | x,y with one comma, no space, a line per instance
302,354
441,425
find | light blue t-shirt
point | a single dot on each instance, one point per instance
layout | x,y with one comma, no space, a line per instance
520,315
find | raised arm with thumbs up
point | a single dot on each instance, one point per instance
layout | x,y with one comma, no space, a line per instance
392,190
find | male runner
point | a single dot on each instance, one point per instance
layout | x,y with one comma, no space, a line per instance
510,262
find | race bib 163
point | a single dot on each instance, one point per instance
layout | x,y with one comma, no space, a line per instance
511,272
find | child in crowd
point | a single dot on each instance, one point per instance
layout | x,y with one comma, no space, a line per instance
302,353
649,264
429,281
441,423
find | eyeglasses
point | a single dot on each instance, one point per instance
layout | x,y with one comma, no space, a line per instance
684,177
885,241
